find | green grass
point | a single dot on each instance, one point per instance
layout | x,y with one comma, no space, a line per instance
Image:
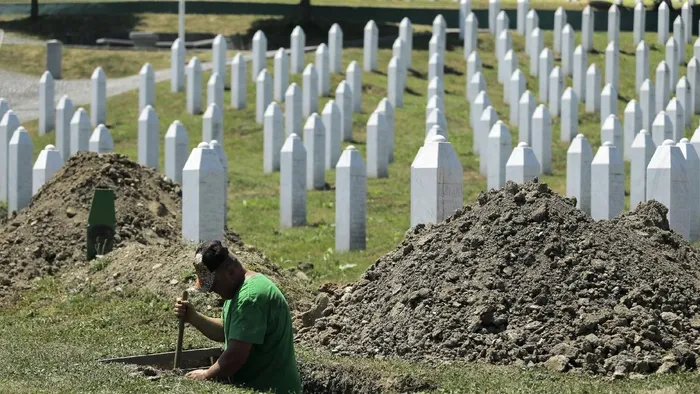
52,336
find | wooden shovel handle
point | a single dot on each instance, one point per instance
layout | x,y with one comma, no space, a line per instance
180,333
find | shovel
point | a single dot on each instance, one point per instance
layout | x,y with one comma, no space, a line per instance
180,333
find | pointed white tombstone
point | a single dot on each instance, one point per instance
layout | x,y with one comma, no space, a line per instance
510,64
679,37
213,124
502,23
545,69
641,151
471,37
263,95
542,138
297,44
259,50
569,115
433,103
370,47
613,24
394,85
101,140
437,88
506,46
406,35
587,29
221,155
281,79
64,113
639,26
473,66
293,114
641,64
486,122
293,167
696,47
692,164
435,130
523,7
46,103
19,176
46,165
663,90
632,126
465,8
440,30
323,70
559,23
148,138
177,66
239,82
79,131
494,9
387,109
567,50
399,52
612,131
436,69
194,87
335,48
592,89
527,105
663,24
176,151
536,48
499,148
668,183
436,117
579,157
98,97
684,96
8,125
315,144
580,60
532,21
4,107
517,88
377,146
608,183
309,90
687,14
273,137
612,64
662,128
436,182
674,110
608,104
215,90
147,87
693,72
695,139
672,63
647,101
218,49
203,191
343,98
522,165
350,201
556,88
481,101
354,78
332,121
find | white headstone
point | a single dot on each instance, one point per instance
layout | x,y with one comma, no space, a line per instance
647,101
203,191
639,26
642,64
542,138
177,66
580,60
473,66
487,120
632,126
148,138
663,23
672,63
309,90
239,82
221,155
79,131
556,88
527,105
323,70
8,125
559,23
693,72
662,128
377,146
696,47
19,176
350,201
481,101
387,109
522,165
641,151
176,151
612,64
343,98
612,131
536,48
502,23
692,164
406,35
64,113
440,30
335,48
353,75
101,140
273,137
668,183
687,13
587,29
433,103
436,117
293,167
394,84
281,81
370,47
147,87
293,115
436,182
46,103
259,47
333,123
613,24
675,112
315,144
545,69
194,87
297,44
399,52
608,105
219,48
263,94
684,96
532,21
499,149
4,107
436,69
608,183
567,50
494,9
503,46
569,115
679,37
523,7
579,157
471,37
98,97
517,88
437,88
592,89
510,64
48,162
215,90
465,8
213,124
54,58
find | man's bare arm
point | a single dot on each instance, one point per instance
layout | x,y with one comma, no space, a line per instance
231,360
212,328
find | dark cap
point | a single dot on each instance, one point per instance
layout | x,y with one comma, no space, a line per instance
209,256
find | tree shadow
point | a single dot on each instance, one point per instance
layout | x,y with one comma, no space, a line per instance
452,71
74,29
412,92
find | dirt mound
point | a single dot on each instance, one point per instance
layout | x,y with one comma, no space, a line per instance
523,277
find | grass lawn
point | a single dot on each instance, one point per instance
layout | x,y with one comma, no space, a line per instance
52,326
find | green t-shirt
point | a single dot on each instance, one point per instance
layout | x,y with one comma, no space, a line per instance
259,314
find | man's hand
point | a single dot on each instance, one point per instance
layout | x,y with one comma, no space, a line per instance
184,309
198,374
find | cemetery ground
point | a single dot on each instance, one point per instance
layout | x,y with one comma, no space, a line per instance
54,335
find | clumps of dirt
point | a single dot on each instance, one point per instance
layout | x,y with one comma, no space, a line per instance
523,277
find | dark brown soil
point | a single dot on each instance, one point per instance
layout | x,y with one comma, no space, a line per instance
523,277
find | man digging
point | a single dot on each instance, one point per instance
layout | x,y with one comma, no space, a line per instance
255,324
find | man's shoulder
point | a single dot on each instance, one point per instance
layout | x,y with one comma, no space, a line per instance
259,285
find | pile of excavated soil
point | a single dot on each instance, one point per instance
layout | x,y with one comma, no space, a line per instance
51,232
523,277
